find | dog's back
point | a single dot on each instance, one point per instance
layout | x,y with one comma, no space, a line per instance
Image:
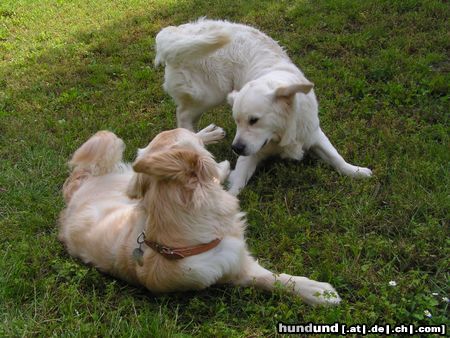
219,46
206,60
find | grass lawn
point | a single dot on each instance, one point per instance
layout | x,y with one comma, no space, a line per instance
381,73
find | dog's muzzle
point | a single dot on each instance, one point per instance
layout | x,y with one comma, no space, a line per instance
239,148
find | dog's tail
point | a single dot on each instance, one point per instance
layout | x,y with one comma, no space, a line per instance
99,155
175,46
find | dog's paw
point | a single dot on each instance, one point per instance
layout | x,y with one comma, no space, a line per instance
361,172
211,134
317,293
356,172
208,129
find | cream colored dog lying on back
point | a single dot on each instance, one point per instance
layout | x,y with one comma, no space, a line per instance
166,222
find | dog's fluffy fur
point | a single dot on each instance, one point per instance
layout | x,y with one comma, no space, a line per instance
173,192
274,105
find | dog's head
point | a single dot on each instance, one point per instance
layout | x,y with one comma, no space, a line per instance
174,162
261,110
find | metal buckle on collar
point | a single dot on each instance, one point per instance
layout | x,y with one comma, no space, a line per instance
165,250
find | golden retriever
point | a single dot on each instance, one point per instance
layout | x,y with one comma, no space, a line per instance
165,222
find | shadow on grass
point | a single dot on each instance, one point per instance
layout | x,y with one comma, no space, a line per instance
102,78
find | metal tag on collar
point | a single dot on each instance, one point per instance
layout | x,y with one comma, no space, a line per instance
138,256
138,253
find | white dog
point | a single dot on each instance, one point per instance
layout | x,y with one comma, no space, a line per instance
274,105
169,224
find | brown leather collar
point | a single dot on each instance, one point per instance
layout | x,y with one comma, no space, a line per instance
179,253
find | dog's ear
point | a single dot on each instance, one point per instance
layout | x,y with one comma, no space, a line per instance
231,97
284,95
288,92
180,164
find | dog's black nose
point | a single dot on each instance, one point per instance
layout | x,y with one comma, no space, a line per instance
238,148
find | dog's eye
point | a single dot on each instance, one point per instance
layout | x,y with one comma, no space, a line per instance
253,120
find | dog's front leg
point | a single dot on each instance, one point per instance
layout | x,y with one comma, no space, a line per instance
311,291
245,167
330,155
224,170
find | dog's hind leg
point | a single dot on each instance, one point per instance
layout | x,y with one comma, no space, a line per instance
330,155
99,155
224,170
192,104
187,117
189,110
311,291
